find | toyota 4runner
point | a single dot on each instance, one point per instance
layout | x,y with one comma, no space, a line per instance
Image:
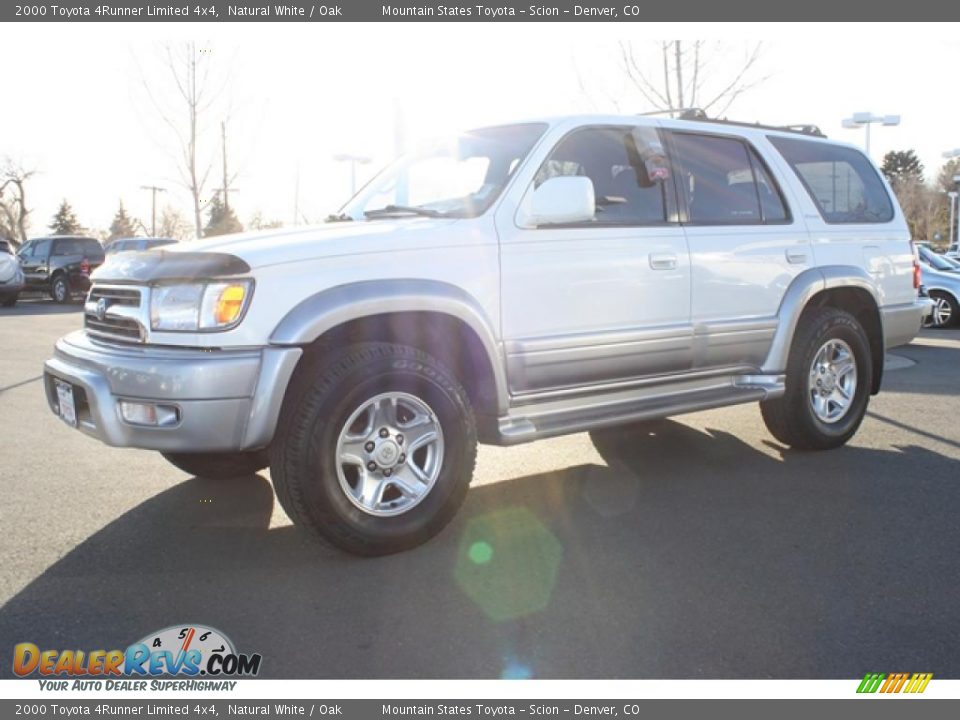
514,283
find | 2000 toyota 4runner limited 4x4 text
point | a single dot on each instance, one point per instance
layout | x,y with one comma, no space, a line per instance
513,283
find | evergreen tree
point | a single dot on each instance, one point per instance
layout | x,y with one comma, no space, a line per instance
948,172
222,219
123,226
902,167
65,221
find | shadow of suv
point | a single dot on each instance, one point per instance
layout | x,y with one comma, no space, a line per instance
60,265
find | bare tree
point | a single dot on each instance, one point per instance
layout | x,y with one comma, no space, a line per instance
174,225
687,76
188,70
258,222
14,213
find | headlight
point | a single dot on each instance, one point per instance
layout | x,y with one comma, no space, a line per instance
199,306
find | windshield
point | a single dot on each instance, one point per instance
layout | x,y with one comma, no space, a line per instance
457,178
937,261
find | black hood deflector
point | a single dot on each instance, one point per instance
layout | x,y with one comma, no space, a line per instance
164,266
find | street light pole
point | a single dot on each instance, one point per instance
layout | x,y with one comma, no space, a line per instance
954,235
154,189
865,120
354,160
953,196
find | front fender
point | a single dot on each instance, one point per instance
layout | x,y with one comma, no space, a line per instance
335,306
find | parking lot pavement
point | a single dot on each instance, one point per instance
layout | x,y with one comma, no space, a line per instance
690,548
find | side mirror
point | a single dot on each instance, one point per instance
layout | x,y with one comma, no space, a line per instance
562,200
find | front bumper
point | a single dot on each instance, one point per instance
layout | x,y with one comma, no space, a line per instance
226,400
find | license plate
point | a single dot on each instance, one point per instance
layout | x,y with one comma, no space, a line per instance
68,409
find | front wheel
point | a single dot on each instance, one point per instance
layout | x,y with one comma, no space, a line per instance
219,466
828,381
59,290
9,300
375,448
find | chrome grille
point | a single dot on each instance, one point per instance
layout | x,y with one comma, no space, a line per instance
115,313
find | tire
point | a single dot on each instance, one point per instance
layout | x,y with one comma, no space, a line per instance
792,419
60,290
219,466
10,300
339,406
946,312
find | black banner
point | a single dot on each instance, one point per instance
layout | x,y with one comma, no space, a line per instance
467,11
477,709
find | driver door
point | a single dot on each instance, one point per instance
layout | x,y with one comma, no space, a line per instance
604,300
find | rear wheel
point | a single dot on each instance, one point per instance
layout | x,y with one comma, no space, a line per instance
219,466
59,290
946,311
828,381
375,448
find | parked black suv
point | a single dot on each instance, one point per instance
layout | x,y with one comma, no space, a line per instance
60,265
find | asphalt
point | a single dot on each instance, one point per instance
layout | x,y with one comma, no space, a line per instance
693,548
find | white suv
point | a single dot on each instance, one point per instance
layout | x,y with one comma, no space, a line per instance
513,283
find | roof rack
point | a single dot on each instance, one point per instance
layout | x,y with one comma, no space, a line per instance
699,115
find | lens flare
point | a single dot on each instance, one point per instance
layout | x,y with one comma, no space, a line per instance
508,563
480,552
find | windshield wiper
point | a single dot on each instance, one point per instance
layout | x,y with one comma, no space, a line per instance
338,217
401,209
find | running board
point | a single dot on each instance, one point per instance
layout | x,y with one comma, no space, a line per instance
569,415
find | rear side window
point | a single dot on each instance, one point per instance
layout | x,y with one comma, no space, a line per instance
725,183
842,182
91,247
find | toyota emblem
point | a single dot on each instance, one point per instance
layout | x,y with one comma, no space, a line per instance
101,309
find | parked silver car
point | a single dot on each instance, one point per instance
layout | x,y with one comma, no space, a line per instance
941,279
11,278
134,244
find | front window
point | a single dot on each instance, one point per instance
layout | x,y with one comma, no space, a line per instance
627,167
458,178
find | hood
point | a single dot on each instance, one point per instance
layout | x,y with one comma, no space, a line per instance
231,255
271,247
931,276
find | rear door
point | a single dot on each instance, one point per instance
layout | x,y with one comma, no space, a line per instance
746,247
66,256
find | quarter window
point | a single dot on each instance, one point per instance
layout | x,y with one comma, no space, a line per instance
725,183
617,161
842,182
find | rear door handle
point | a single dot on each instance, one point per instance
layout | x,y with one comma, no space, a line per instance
796,255
663,261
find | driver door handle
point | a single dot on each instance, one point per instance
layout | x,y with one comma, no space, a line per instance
663,261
